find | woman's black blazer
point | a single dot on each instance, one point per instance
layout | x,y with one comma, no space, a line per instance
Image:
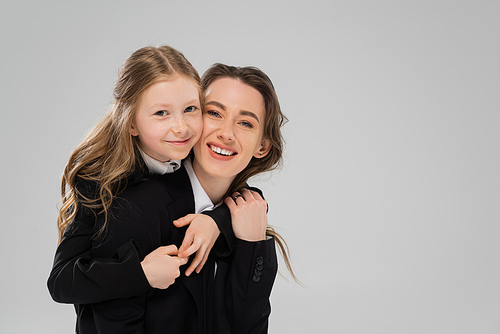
100,272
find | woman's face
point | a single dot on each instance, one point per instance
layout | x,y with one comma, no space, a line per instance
233,125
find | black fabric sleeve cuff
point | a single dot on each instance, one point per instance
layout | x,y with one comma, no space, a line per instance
225,243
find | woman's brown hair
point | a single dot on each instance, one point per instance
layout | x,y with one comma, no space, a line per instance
274,120
108,154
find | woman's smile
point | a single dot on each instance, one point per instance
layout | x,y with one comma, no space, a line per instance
232,132
222,150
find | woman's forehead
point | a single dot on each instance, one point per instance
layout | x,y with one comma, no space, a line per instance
234,94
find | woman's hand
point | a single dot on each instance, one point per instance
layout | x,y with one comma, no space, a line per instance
248,215
200,238
161,266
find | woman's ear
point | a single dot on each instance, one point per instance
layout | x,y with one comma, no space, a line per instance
264,149
133,130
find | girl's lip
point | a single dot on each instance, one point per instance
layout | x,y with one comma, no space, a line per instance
179,142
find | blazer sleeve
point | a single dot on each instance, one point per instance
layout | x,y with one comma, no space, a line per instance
224,245
248,283
78,278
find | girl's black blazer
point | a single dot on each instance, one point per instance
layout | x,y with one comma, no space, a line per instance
101,274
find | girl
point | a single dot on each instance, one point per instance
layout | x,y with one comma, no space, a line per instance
156,118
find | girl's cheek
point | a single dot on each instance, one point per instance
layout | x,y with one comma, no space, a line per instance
196,123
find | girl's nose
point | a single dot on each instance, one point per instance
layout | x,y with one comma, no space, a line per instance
179,125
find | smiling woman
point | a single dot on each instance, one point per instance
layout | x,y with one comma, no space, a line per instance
242,114
232,131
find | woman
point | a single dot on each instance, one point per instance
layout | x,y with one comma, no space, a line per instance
241,138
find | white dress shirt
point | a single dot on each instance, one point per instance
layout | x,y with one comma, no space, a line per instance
158,167
201,200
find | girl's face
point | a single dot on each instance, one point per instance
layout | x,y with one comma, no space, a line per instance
168,120
233,125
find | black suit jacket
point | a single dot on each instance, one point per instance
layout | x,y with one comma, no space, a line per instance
102,276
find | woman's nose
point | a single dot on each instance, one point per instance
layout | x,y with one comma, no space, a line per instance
226,132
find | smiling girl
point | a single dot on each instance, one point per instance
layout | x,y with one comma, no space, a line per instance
107,223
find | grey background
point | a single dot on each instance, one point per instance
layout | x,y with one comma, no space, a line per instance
389,197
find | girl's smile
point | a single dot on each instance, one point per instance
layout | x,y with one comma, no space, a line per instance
168,119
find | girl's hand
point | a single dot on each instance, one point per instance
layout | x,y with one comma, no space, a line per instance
161,266
200,238
248,215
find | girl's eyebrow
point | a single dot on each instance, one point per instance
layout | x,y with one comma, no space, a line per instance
160,105
242,112
168,105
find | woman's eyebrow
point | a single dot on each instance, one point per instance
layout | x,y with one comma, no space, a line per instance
242,112
217,104
249,113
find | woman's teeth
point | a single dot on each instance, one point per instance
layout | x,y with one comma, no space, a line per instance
221,151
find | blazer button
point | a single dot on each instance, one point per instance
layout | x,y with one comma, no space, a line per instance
259,266
260,260
256,278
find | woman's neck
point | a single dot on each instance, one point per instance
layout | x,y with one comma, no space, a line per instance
215,187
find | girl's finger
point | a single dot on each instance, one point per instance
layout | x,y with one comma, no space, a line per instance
191,249
186,220
196,261
200,266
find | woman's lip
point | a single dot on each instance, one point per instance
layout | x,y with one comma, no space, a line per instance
224,147
218,156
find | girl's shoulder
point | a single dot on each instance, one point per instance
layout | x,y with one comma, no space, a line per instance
89,188
86,188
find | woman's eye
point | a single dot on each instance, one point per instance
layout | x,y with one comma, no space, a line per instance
213,113
161,113
190,109
246,124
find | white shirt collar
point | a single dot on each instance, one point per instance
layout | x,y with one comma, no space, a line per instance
158,167
201,200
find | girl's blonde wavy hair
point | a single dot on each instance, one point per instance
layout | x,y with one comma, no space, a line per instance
274,120
108,154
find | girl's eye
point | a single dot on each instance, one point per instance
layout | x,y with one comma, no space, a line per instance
247,124
161,113
213,113
190,109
